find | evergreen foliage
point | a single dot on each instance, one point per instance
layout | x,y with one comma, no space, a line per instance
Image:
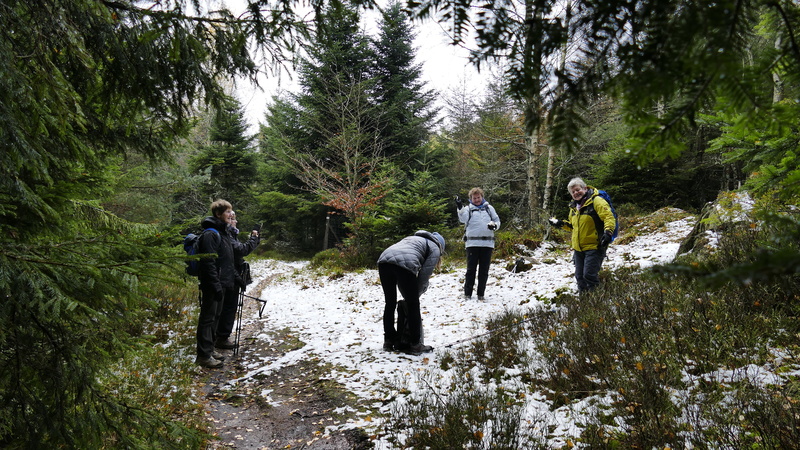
337,67
407,105
227,158
83,84
416,206
361,106
666,61
283,127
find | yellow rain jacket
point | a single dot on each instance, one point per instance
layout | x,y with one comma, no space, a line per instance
582,224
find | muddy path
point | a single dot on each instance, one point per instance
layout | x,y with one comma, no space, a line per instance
302,401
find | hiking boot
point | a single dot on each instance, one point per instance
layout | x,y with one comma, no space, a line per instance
467,297
418,349
217,355
209,363
402,347
480,298
388,346
225,344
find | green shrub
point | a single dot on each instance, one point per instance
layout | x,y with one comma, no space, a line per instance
655,342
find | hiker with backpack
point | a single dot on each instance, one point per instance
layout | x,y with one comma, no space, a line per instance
480,222
217,275
230,303
406,266
593,225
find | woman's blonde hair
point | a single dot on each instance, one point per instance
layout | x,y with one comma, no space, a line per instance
476,190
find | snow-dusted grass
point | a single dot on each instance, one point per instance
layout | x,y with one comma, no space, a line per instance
339,320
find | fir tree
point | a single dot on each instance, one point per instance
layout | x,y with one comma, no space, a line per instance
228,157
407,105
82,83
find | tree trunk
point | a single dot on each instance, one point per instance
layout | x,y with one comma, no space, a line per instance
548,184
532,66
777,82
551,151
534,154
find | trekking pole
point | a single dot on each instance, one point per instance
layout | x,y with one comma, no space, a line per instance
240,306
488,333
260,300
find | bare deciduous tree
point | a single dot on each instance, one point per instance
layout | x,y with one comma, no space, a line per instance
343,173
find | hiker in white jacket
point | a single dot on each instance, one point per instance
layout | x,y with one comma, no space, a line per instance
480,223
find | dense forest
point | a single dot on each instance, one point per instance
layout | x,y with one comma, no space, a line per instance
118,129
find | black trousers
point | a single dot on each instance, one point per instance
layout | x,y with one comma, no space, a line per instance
230,304
394,278
210,309
478,260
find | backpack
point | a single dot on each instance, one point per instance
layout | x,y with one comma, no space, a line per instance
245,273
598,222
403,328
191,244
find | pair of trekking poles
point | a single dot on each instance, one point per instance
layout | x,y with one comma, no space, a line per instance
240,305
239,308
246,279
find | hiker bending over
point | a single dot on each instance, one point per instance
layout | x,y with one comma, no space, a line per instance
589,243
406,266
480,222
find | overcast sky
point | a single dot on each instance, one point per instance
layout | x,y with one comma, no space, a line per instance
444,66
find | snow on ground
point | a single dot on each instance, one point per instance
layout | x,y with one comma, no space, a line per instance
340,320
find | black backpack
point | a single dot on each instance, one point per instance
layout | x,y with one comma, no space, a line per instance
403,329
598,222
191,244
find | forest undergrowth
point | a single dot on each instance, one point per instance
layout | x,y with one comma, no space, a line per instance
650,359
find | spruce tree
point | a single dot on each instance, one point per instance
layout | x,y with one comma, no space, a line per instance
407,105
228,157
338,65
82,84
327,132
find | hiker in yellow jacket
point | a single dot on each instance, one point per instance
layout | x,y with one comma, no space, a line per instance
592,224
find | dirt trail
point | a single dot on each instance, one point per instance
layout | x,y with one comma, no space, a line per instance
302,404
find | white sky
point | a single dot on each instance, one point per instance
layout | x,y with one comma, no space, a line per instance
340,322
443,67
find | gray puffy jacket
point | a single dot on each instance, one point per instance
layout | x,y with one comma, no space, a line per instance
417,254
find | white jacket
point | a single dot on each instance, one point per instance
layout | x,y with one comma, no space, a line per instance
476,220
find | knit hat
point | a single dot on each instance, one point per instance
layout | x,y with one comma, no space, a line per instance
439,238
435,237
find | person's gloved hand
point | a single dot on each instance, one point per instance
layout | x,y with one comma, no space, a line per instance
492,225
555,222
605,239
459,203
